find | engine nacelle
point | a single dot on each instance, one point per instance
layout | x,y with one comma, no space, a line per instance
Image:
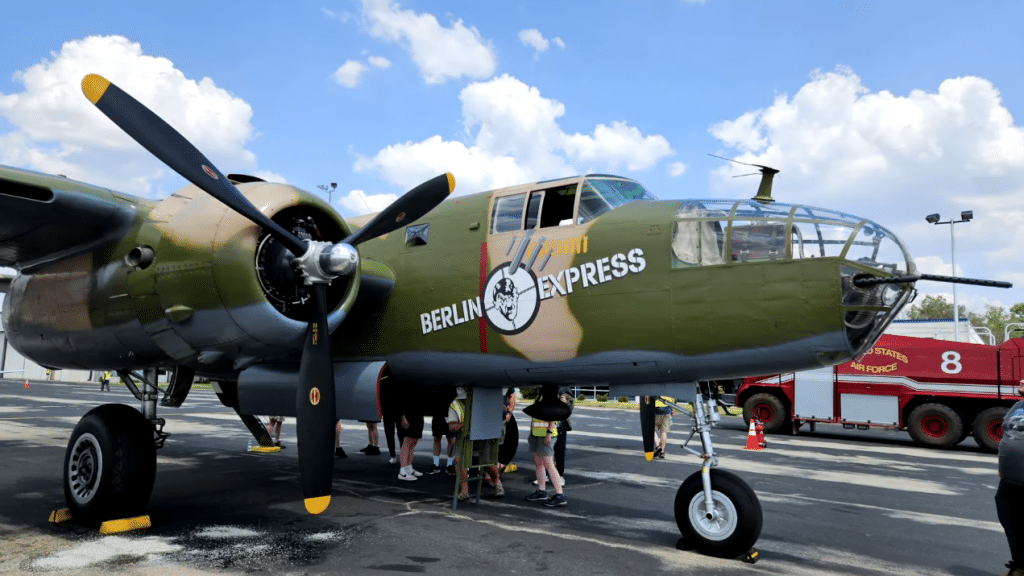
192,283
271,390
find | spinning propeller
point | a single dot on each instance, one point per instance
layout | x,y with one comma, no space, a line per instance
318,262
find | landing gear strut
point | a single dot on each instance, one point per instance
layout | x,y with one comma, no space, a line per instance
718,513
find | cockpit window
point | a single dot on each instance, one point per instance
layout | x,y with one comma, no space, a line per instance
699,235
709,232
508,213
879,248
599,195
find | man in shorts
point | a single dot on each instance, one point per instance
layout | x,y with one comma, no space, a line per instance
662,424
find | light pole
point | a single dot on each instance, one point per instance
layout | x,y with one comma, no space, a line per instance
328,189
965,216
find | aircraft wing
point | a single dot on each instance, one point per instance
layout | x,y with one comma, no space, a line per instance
47,218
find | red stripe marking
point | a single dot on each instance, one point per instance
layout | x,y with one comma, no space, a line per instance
483,280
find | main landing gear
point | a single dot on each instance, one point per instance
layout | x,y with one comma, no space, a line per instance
718,514
110,462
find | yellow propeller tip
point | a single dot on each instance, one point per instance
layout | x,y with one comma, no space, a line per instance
93,86
451,182
649,456
318,505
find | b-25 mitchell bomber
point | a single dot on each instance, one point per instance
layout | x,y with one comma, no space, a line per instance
292,310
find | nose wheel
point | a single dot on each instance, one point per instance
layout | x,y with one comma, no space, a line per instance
732,524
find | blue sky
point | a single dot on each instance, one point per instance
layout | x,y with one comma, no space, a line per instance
889,110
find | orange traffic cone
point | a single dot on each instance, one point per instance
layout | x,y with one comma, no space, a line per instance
752,443
26,384
760,435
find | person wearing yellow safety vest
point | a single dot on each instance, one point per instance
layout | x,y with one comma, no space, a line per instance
662,424
105,381
541,443
456,415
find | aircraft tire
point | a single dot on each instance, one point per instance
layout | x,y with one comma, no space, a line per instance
935,425
767,408
736,531
988,428
109,465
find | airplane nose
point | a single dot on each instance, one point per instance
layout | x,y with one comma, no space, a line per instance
872,250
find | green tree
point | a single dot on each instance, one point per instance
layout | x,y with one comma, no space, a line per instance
934,308
995,318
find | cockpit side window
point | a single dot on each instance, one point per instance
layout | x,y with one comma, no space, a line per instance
544,209
698,236
599,195
508,213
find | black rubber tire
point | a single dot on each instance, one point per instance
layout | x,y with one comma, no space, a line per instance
988,428
767,408
735,499
935,425
109,465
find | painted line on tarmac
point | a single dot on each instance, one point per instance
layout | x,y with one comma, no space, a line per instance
829,458
859,479
919,517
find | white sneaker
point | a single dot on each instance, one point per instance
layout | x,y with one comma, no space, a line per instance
393,460
406,477
416,472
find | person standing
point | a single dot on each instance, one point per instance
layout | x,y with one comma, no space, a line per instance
339,452
1010,494
412,431
563,428
275,429
662,425
541,443
105,381
373,439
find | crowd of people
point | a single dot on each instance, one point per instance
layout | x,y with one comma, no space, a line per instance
403,415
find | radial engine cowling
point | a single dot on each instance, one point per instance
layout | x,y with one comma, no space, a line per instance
194,284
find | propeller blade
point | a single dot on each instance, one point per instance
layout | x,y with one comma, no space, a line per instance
167,144
407,209
647,426
315,410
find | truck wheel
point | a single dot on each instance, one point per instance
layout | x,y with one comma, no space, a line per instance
739,515
988,428
768,409
935,425
109,465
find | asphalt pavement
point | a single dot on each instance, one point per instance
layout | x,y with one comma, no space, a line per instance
835,502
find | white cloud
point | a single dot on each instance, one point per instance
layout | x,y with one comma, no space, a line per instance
359,202
896,158
342,17
348,74
57,130
270,176
513,136
533,38
440,53
379,62
677,169
618,144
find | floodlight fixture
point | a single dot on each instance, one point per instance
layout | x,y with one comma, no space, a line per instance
932,218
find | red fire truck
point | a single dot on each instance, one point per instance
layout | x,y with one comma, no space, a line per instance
938,390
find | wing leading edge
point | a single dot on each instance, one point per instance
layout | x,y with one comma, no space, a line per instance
48,218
